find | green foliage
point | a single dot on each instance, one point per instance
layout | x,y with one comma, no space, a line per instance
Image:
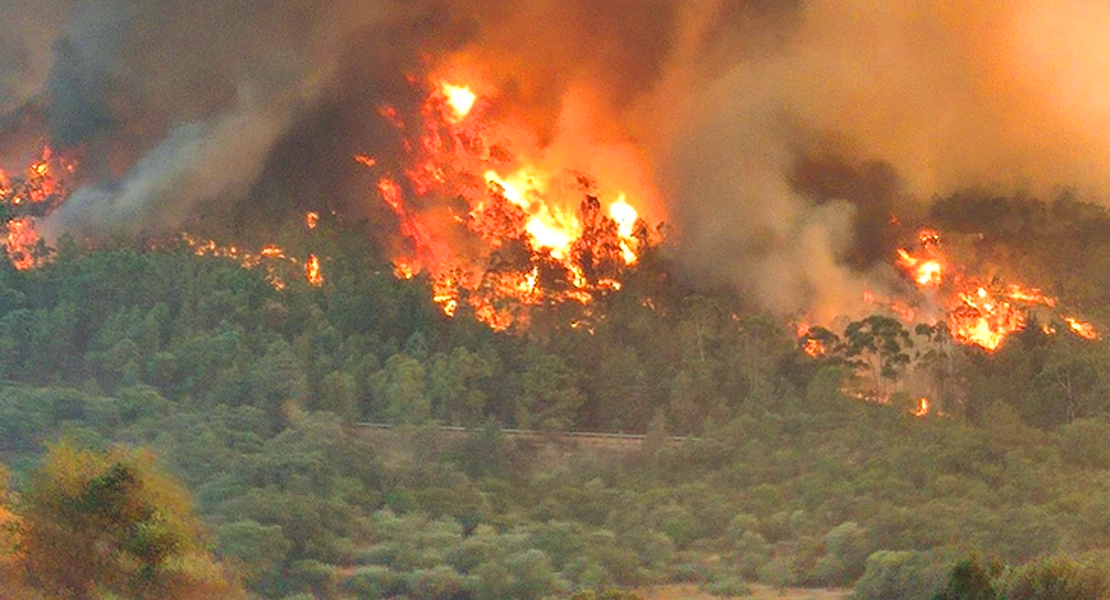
374,582
252,397
732,586
846,552
878,344
112,522
902,575
1054,578
970,579
399,390
1083,443
526,575
258,549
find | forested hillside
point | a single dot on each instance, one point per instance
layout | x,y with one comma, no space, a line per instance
250,396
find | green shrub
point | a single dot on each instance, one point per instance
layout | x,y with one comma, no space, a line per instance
1055,578
439,583
891,575
727,586
374,582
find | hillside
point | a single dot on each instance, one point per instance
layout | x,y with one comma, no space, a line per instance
251,397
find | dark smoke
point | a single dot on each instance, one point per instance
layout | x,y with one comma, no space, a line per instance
182,103
779,137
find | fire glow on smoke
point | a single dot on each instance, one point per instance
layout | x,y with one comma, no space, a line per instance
546,234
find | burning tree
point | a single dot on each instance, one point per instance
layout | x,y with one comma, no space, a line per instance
24,199
518,233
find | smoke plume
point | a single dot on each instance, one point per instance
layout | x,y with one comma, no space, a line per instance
777,136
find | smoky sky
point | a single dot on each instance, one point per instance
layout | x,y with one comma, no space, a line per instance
778,137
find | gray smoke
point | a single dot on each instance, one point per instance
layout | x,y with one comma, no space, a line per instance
722,105
181,103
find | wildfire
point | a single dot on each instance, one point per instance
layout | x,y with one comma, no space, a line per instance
984,320
1085,330
20,243
550,228
977,314
926,272
269,257
312,271
37,193
460,99
810,341
922,408
545,234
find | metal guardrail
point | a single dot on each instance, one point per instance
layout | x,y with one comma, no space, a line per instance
539,432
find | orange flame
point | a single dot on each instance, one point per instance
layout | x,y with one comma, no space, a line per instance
922,408
568,233
1029,296
812,346
926,272
1085,330
268,257
983,320
460,99
312,271
37,193
20,243
978,315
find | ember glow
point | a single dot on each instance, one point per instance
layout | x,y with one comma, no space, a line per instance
529,231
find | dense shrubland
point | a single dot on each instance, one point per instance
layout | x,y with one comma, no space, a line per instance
250,397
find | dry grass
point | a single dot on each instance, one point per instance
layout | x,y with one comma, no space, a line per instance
759,592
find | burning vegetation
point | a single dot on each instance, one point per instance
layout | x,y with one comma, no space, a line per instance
27,197
43,188
944,304
494,226
978,311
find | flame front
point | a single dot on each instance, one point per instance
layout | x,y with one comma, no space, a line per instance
20,243
575,235
977,314
984,320
37,193
269,257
